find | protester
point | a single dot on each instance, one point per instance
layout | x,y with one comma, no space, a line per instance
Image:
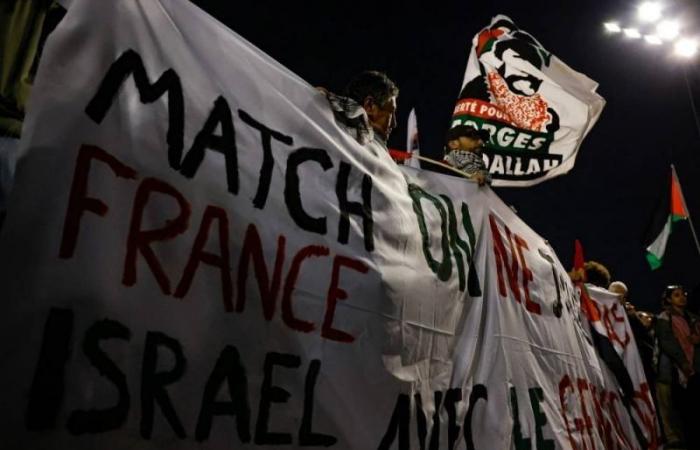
463,152
592,272
645,319
368,108
597,274
642,325
678,365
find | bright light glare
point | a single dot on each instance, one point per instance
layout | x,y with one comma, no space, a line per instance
686,48
612,27
649,11
668,30
632,33
653,39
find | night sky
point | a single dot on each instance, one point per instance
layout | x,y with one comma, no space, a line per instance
607,199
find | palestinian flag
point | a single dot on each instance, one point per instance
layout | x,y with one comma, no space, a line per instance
671,209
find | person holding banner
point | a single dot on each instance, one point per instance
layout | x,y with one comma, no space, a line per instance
464,152
642,325
678,366
368,108
597,274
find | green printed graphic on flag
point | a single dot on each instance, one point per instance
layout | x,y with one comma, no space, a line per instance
508,137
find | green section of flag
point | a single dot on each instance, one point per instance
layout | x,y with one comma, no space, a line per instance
653,261
670,210
656,250
677,218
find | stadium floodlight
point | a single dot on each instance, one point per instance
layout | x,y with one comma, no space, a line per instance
686,48
612,27
653,39
632,33
649,11
668,29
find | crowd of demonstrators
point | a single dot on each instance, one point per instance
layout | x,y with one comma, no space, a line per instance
668,342
669,348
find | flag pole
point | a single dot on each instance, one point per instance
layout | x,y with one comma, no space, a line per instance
692,100
685,206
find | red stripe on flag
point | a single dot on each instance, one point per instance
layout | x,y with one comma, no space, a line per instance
399,155
589,308
678,210
578,255
587,305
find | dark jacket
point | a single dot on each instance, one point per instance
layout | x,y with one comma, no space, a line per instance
670,355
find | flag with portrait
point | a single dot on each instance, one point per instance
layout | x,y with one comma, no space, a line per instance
536,108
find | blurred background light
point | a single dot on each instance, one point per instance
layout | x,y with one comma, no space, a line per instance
653,39
632,33
612,27
686,48
668,29
649,11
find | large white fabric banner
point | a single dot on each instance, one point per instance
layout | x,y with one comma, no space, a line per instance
197,256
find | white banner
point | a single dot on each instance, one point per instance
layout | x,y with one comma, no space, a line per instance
618,350
197,256
537,109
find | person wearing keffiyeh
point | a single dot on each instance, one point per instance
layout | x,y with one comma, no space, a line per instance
367,108
463,152
678,368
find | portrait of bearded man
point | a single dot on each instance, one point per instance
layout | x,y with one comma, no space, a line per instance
514,85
